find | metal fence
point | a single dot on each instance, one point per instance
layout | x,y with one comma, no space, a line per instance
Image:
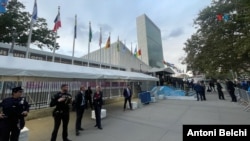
243,98
39,92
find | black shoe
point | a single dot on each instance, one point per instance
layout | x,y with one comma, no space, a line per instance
100,128
77,133
81,129
95,126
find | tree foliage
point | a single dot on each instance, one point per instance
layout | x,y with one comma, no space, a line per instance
220,46
16,18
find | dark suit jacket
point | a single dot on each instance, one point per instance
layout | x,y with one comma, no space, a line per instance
79,99
97,101
125,93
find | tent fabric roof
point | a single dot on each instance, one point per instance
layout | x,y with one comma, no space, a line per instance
14,66
168,70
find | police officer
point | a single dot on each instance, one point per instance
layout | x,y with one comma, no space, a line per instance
61,113
14,109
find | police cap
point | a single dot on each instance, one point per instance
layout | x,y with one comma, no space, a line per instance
16,89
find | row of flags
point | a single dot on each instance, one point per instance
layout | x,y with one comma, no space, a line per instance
58,24
223,17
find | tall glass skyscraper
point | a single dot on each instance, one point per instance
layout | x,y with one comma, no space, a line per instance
149,41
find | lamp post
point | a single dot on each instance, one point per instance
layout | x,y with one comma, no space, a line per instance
14,35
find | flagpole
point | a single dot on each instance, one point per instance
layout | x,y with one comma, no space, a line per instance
54,48
74,38
100,44
119,53
29,39
31,28
110,51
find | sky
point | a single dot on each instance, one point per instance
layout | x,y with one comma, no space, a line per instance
118,17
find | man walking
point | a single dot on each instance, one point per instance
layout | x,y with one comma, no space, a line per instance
231,89
219,89
127,93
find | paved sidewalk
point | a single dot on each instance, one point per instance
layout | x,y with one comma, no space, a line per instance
160,121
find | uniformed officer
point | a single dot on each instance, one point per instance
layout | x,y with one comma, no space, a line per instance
61,113
14,109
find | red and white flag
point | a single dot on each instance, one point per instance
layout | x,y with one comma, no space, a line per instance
57,22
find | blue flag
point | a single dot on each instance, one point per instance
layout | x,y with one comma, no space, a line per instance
3,4
34,14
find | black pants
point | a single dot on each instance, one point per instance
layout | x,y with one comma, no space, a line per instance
221,94
64,117
231,92
89,103
10,131
79,115
203,96
98,109
198,96
125,102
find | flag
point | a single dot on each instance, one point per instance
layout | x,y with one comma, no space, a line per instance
57,22
226,17
118,46
34,14
135,52
100,38
139,52
3,4
90,32
219,17
108,43
75,28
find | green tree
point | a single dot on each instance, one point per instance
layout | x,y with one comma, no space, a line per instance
220,46
16,18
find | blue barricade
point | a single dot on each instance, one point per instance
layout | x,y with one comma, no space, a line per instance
145,97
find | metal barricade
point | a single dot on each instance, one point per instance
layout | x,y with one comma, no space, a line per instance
244,99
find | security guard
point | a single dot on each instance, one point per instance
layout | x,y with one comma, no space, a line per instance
14,109
61,113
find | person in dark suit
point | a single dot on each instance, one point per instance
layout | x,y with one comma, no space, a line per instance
61,113
88,97
219,89
127,93
231,89
98,102
14,110
80,103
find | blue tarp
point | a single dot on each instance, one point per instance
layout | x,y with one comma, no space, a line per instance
168,91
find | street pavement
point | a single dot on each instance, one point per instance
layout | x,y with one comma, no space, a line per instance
159,121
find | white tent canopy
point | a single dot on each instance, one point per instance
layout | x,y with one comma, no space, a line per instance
14,66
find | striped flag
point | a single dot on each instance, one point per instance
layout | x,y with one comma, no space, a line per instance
139,52
57,22
34,14
108,43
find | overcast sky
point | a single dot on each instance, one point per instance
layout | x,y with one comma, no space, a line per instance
173,17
